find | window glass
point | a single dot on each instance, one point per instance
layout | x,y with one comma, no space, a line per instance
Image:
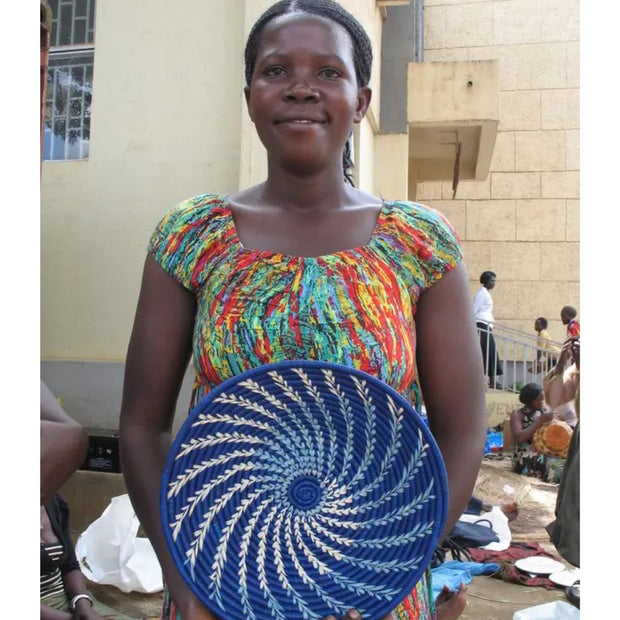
67,109
69,80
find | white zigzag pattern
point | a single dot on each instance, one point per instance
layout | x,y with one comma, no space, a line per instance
345,410
295,397
182,479
201,532
214,440
195,499
320,403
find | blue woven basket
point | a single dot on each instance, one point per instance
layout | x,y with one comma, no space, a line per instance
303,489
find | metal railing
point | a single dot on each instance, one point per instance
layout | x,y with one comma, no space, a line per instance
513,358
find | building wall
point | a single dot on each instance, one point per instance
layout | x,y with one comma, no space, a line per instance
523,221
168,121
163,129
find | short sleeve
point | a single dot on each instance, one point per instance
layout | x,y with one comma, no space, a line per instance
184,235
429,246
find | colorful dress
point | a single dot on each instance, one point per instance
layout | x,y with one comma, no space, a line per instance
526,461
354,307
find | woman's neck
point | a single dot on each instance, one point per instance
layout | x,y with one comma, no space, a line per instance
323,190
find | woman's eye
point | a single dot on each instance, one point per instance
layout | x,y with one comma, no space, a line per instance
329,73
275,71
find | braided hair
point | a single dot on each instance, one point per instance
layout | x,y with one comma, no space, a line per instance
362,47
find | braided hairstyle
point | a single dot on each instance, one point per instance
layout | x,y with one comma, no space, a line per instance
362,47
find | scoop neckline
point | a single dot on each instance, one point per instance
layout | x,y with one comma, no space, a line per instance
270,254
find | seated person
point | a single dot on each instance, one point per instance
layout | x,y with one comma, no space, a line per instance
63,445
63,588
524,422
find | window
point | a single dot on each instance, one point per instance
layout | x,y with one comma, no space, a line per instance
69,80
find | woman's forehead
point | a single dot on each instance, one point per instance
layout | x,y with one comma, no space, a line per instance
305,30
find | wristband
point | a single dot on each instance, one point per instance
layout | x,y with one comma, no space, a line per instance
78,597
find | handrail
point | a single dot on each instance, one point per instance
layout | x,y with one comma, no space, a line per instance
517,355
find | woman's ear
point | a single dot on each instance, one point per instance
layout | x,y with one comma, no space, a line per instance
364,95
246,93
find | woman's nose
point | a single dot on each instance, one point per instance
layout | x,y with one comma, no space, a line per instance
300,90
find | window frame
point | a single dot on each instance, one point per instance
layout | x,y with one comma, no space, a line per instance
71,53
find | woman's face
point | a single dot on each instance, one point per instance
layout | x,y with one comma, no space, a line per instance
537,403
304,97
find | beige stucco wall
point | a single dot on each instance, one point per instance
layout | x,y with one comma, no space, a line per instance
523,221
168,122
165,126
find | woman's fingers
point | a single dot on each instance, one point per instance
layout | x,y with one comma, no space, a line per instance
352,614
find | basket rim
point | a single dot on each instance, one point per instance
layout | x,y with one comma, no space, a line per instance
437,467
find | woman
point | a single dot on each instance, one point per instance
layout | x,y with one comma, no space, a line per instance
524,423
63,589
483,312
302,266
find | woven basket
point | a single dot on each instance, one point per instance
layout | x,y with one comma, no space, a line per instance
553,438
303,489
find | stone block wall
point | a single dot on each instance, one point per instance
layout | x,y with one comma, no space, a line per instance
522,221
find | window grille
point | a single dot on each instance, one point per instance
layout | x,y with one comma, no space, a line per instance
69,80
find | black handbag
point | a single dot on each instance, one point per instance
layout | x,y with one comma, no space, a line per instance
473,534
464,535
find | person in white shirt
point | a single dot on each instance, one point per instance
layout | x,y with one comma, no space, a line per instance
483,312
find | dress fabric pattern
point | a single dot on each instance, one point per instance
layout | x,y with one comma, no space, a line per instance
354,307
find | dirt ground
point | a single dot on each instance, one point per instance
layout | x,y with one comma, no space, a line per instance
487,598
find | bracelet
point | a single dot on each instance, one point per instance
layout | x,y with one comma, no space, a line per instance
78,597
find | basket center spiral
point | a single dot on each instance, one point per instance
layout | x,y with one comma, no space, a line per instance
305,492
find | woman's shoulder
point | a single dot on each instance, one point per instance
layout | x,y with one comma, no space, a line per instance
193,210
421,222
416,213
422,229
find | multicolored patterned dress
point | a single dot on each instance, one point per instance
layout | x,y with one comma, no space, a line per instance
526,461
355,307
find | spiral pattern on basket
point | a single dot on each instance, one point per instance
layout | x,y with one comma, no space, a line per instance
300,500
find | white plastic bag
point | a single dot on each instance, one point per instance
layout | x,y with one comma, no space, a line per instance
557,610
110,553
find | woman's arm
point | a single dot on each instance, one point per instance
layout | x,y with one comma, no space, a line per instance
451,377
560,384
522,435
49,613
157,358
63,445
74,585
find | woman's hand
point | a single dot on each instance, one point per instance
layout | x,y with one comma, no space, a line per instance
193,609
353,614
85,611
543,418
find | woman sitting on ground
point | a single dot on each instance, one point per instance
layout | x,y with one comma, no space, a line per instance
64,595
524,423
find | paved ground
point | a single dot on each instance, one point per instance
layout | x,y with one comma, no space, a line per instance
488,598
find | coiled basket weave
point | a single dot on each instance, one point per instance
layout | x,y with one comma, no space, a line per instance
553,438
303,489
